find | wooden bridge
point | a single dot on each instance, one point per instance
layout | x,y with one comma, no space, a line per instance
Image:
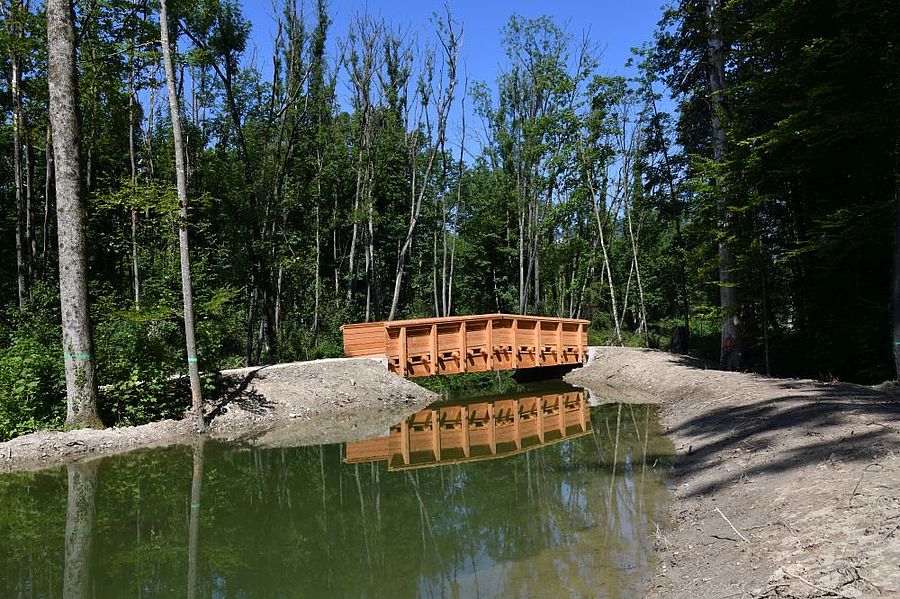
466,432
455,344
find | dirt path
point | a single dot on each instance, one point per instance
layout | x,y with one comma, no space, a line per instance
299,403
807,473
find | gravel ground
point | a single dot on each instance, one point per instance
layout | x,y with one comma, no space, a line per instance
291,404
783,487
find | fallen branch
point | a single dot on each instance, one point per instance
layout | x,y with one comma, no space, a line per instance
815,586
743,538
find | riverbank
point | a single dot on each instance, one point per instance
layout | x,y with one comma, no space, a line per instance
298,403
782,487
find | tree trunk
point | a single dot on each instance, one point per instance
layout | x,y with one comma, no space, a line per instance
637,273
895,304
521,254
731,354
679,239
49,191
80,521
181,184
81,389
16,95
606,267
30,242
135,262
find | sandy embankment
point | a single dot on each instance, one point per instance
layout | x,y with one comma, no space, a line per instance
807,473
298,403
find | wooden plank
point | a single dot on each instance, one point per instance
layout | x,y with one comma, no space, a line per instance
403,356
580,346
539,409
489,343
517,415
434,349
463,347
493,427
404,440
560,353
515,343
464,416
436,433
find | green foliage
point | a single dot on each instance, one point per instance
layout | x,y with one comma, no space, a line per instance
31,387
294,178
32,377
471,384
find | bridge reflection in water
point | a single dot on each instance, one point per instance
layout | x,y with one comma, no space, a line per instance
450,433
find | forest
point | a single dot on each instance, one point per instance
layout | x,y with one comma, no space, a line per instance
736,198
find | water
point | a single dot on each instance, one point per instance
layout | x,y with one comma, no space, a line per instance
508,514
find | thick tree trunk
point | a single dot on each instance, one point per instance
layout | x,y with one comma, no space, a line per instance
80,521
81,389
181,184
731,354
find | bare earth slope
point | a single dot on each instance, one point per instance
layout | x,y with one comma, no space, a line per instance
807,473
291,404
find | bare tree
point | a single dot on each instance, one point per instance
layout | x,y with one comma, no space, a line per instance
441,98
81,388
135,261
181,184
13,16
362,65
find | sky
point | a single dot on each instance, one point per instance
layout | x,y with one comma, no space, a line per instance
615,25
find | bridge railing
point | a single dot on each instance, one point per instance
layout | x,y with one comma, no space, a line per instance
451,345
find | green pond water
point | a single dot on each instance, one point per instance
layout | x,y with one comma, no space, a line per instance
574,517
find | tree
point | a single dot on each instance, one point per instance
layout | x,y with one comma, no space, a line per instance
441,98
81,389
731,352
183,244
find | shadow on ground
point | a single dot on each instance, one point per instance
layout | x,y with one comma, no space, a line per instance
236,392
823,423
827,423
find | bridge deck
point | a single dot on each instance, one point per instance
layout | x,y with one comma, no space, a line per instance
455,344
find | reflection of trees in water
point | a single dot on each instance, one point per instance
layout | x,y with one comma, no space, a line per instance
294,522
194,519
80,522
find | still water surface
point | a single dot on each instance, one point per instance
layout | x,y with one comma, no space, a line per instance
557,501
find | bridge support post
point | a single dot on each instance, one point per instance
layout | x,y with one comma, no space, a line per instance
515,342
403,352
560,352
489,341
433,337
463,349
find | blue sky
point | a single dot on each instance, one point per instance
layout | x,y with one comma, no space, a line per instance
615,25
